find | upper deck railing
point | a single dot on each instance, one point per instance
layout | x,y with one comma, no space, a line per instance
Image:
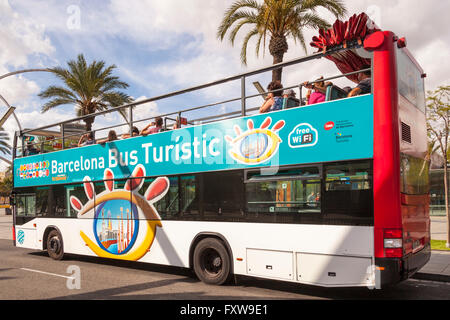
62,136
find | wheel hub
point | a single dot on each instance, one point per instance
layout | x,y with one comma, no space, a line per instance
54,244
217,262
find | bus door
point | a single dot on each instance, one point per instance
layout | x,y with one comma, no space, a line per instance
25,227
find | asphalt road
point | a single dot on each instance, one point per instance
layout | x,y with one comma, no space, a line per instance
27,274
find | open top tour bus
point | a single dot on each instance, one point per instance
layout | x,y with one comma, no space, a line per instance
332,194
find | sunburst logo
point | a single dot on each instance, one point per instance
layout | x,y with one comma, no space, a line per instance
255,145
124,221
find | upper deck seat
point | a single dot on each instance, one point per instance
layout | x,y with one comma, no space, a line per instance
334,93
290,103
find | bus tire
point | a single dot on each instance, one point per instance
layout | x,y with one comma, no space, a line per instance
211,261
55,246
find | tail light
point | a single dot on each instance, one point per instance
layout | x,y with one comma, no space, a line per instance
393,243
14,233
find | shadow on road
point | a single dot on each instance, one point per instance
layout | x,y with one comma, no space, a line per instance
407,290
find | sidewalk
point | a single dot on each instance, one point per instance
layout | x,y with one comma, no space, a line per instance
5,225
437,269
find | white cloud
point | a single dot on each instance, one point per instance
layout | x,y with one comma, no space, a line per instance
425,26
159,21
145,110
433,59
188,29
21,38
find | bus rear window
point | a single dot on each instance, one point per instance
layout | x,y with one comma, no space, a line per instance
414,174
410,81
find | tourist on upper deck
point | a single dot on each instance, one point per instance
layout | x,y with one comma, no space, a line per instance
157,126
347,89
86,139
135,132
31,149
112,135
365,83
289,93
318,95
274,100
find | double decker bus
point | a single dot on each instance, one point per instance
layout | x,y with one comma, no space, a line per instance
333,194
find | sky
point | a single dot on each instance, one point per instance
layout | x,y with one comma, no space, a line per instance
160,46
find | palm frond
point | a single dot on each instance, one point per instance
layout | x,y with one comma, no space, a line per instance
247,38
275,18
88,87
245,18
336,7
227,20
4,142
56,103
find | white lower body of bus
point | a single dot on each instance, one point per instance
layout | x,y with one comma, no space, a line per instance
322,255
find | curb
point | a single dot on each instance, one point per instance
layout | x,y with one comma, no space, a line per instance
431,277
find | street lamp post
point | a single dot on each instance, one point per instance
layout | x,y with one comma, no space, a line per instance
12,74
10,108
8,113
23,71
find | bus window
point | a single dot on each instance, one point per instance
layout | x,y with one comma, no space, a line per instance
58,205
51,201
290,196
26,204
189,197
168,206
223,196
348,197
76,190
414,173
410,81
42,201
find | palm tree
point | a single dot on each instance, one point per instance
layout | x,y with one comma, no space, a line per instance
4,142
90,88
278,19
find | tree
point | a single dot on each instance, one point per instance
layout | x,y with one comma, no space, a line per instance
438,125
278,19
6,186
4,142
90,88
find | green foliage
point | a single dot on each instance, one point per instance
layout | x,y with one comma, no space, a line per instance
90,88
439,245
4,142
6,186
277,19
438,120
438,125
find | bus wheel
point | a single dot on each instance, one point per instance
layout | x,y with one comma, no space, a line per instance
55,245
212,264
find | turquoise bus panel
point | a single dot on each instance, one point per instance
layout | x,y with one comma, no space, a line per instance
332,131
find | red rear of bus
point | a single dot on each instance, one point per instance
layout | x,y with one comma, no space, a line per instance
401,195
